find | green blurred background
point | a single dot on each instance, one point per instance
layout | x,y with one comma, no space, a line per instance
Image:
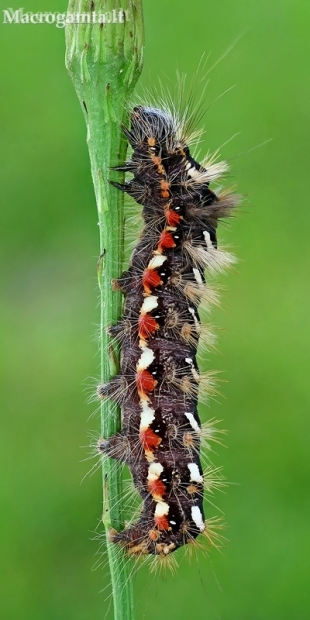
49,312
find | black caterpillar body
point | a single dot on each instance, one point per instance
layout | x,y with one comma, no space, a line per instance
159,332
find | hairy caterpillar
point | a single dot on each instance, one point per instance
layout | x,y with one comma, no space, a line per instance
159,332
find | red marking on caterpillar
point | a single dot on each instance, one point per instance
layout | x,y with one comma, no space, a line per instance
166,241
172,217
145,382
149,440
147,326
160,330
150,279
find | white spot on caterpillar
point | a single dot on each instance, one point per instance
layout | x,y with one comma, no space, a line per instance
147,416
197,518
197,324
193,369
156,261
155,469
195,473
162,509
193,172
146,359
207,239
194,424
197,275
173,522
149,304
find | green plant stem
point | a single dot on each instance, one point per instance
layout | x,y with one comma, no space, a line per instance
104,62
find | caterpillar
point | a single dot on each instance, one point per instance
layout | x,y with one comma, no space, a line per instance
159,380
